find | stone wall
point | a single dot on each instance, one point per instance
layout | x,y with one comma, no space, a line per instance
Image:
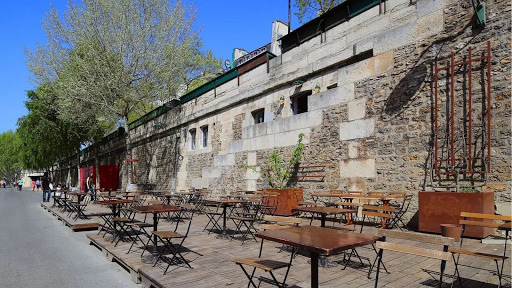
372,129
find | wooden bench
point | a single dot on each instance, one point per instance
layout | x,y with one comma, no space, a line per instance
442,255
485,220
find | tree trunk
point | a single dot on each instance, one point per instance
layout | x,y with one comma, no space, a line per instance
128,149
78,166
97,166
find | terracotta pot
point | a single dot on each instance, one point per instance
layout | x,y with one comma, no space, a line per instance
451,230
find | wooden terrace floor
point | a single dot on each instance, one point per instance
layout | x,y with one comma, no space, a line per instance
211,258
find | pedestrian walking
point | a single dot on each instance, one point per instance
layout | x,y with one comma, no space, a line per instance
38,184
46,188
20,184
33,184
88,187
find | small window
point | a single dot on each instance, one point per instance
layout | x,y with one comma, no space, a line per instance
258,116
300,102
192,133
204,136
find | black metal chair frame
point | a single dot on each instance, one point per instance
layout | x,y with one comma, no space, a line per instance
247,218
250,277
168,241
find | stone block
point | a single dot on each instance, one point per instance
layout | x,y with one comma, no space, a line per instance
357,129
357,109
211,172
330,59
200,183
353,150
426,7
276,126
250,185
251,158
355,72
362,46
259,143
393,5
251,174
248,132
224,160
303,120
290,138
357,168
384,62
236,146
260,129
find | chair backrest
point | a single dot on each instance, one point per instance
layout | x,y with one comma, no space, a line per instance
376,193
355,192
397,194
186,210
281,220
481,216
443,255
378,211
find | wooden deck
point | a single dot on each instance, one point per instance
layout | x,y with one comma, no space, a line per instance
211,257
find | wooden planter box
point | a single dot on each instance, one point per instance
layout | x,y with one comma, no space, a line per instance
436,208
288,199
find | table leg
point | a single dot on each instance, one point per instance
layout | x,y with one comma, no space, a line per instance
324,261
224,233
349,215
151,258
384,221
314,269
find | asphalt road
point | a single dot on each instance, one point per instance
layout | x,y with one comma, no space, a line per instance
37,250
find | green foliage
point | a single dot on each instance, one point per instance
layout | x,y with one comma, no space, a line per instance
45,137
113,60
309,9
469,190
278,174
10,166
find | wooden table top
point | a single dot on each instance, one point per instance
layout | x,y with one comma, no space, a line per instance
324,210
353,196
325,241
161,208
114,201
77,193
227,201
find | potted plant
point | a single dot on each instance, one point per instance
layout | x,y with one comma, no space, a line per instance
282,178
436,208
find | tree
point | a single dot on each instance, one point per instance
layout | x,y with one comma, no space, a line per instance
10,166
309,9
44,137
106,57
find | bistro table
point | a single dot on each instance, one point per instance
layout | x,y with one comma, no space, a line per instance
79,196
155,209
225,204
114,206
324,212
318,241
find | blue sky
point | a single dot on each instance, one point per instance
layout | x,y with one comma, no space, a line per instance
225,24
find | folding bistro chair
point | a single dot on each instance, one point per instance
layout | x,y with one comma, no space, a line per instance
266,264
483,222
397,216
166,237
269,203
214,214
373,211
442,255
246,218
